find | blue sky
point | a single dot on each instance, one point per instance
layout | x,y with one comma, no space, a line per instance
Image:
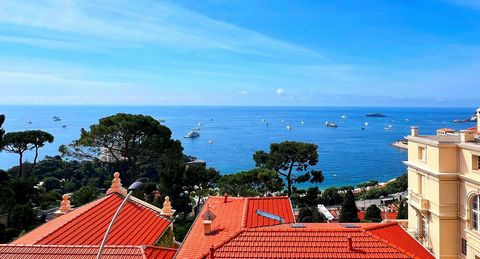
238,52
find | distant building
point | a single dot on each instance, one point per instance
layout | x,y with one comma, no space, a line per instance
444,189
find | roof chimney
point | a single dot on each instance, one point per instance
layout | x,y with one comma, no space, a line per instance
207,227
414,131
212,252
117,185
350,246
225,198
467,136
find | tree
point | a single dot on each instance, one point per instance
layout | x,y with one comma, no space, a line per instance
349,209
17,195
84,195
22,141
256,182
289,155
373,213
331,196
402,210
126,140
40,138
311,198
2,131
310,215
51,183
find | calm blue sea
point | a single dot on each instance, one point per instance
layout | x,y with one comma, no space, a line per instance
348,154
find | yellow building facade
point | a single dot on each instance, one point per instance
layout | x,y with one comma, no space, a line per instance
444,192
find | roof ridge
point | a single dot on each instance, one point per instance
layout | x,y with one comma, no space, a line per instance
100,200
244,213
394,246
381,225
103,199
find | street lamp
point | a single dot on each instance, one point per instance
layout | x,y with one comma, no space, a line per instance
137,185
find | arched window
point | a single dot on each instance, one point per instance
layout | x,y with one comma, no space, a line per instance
475,212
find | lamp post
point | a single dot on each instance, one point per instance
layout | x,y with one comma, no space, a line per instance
137,185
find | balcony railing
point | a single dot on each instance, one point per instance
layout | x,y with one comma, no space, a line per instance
424,205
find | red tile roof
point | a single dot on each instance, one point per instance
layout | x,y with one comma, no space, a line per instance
137,224
238,232
324,240
233,216
12,251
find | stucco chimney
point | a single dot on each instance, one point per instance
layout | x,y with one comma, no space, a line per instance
414,131
225,198
207,227
167,210
349,244
467,136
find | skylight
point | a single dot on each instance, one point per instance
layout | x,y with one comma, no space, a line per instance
270,216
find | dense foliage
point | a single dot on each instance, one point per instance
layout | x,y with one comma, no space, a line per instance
349,211
291,160
373,213
256,182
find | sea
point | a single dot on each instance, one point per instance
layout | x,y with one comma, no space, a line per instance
229,136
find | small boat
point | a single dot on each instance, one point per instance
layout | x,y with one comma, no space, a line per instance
388,127
210,141
378,115
197,128
64,126
192,134
289,127
30,122
266,123
283,121
366,124
344,116
302,122
331,124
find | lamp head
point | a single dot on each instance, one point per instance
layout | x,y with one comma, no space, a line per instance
137,185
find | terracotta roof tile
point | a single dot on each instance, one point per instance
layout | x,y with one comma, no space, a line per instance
322,241
240,233
233,216
15,251
87,225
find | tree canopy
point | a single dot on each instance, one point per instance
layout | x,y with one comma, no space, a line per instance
291,159
132,142
22,141
256,182
349,211
373,213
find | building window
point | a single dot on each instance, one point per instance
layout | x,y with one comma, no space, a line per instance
422,154
464,246
475,162
475,212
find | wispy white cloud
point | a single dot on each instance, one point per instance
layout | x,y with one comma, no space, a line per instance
129,23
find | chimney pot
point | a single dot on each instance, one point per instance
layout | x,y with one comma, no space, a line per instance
225,198
467,136
350,245
212,252
207,226
414,131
